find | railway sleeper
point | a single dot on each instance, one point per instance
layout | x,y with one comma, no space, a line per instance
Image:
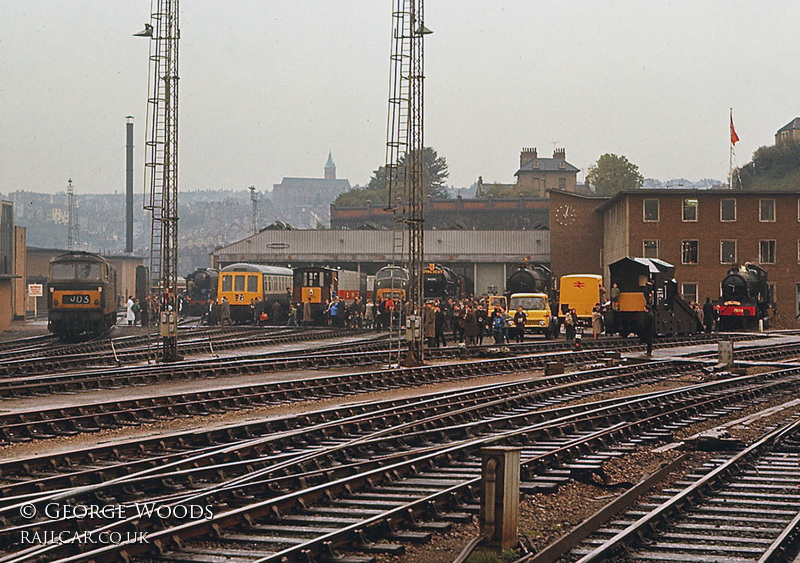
362,543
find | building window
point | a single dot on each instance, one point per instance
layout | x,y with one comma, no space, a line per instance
689,251
727,210
766,210
766,251
727,251
690,210
562,183
689,292
798,251
650,210
650,248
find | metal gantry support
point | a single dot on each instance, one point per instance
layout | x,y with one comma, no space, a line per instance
405,161
161,167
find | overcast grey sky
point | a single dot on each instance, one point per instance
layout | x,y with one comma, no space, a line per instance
268,87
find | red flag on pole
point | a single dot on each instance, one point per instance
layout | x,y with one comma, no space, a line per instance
734,136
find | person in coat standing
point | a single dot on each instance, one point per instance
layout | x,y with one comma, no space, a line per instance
708,314
520,317
225,312
597,321
429,325
569,326
441,324
648,329
498,322
480,319
130,316
470,326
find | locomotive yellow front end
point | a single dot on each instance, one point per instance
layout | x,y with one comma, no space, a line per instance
81,295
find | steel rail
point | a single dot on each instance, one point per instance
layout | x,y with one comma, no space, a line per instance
704,486
177,535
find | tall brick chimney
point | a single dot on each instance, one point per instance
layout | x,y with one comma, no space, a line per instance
560,154
526,155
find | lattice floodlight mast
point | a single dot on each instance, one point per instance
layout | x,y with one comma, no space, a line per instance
161,166
404,155
72,217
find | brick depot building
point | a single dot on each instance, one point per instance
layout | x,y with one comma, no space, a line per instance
702,232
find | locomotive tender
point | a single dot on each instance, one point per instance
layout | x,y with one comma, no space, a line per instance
745,299
82,296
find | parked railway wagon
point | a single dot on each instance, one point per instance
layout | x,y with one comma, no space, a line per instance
745,300
391,282
645,281
242,283
201,291
442,283
82,296
319,285
580,292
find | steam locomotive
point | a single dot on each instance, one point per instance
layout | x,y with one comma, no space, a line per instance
529,278
442,283
745,298
201,290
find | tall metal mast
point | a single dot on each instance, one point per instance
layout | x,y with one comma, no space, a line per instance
404,155
161,166
254,202
72,217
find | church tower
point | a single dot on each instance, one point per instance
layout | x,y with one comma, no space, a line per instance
330,169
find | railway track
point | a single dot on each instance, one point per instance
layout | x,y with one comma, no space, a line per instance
17,426
41,423
139,348
741,508
384,477
367,351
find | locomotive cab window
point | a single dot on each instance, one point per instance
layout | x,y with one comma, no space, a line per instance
227,282
650,210
766,210
690,210
312,279
63,271
238,282
252,284
727,210
89,272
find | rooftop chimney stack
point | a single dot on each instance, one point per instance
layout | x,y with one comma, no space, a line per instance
526,156
560,154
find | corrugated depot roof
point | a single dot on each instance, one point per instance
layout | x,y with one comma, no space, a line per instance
374,246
